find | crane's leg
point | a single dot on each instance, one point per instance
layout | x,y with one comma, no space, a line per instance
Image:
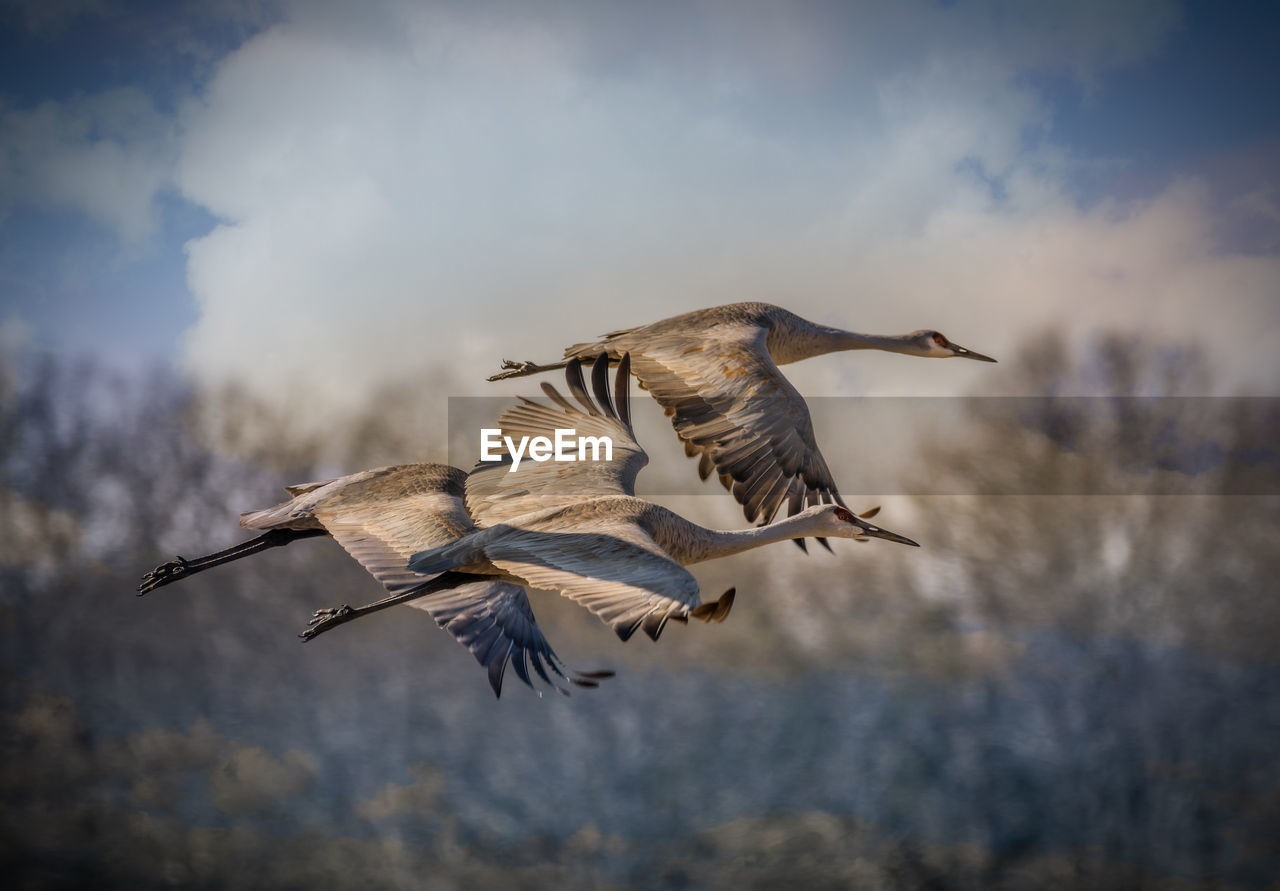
327,619
167,573
520,369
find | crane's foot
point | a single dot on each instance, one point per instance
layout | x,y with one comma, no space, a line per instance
326,619
518,369
163,575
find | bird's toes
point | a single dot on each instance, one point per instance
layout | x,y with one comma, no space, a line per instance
509,369
324,619
164,570
162,574
324,615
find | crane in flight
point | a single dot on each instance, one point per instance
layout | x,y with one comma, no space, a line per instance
381,518
715,373
578,527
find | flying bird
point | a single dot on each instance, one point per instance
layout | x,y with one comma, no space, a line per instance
715,373
577,526
382,517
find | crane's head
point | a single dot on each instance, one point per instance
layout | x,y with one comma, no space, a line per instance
835,521
934,344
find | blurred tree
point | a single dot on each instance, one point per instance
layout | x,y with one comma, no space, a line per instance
1045,727
1179,562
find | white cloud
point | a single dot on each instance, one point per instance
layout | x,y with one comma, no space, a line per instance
107,155
457,186
1155,266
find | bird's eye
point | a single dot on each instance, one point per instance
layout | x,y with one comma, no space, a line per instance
843,514
939,339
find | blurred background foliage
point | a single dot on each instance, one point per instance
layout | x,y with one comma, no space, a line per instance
1056,691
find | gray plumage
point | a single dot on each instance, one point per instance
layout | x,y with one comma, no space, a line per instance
382,517
715,373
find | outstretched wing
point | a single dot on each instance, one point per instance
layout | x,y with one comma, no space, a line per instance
382,517
603,457
495,622
734,409
616,570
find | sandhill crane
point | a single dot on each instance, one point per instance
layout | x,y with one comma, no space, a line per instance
715,373
382,517
577,526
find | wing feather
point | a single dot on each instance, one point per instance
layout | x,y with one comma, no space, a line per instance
383,517
496,493
736,411
616,571
495,622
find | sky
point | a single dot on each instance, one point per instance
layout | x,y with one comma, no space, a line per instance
306,199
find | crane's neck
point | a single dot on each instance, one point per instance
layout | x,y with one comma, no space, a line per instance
711,544
818,340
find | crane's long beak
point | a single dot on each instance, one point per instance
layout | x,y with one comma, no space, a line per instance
877,532
970,354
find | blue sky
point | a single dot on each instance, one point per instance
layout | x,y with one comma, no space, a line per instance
241,187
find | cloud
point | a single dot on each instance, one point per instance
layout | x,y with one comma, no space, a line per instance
451,186
994,277
107,155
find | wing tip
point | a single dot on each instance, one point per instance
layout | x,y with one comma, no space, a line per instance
715,611
622,389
